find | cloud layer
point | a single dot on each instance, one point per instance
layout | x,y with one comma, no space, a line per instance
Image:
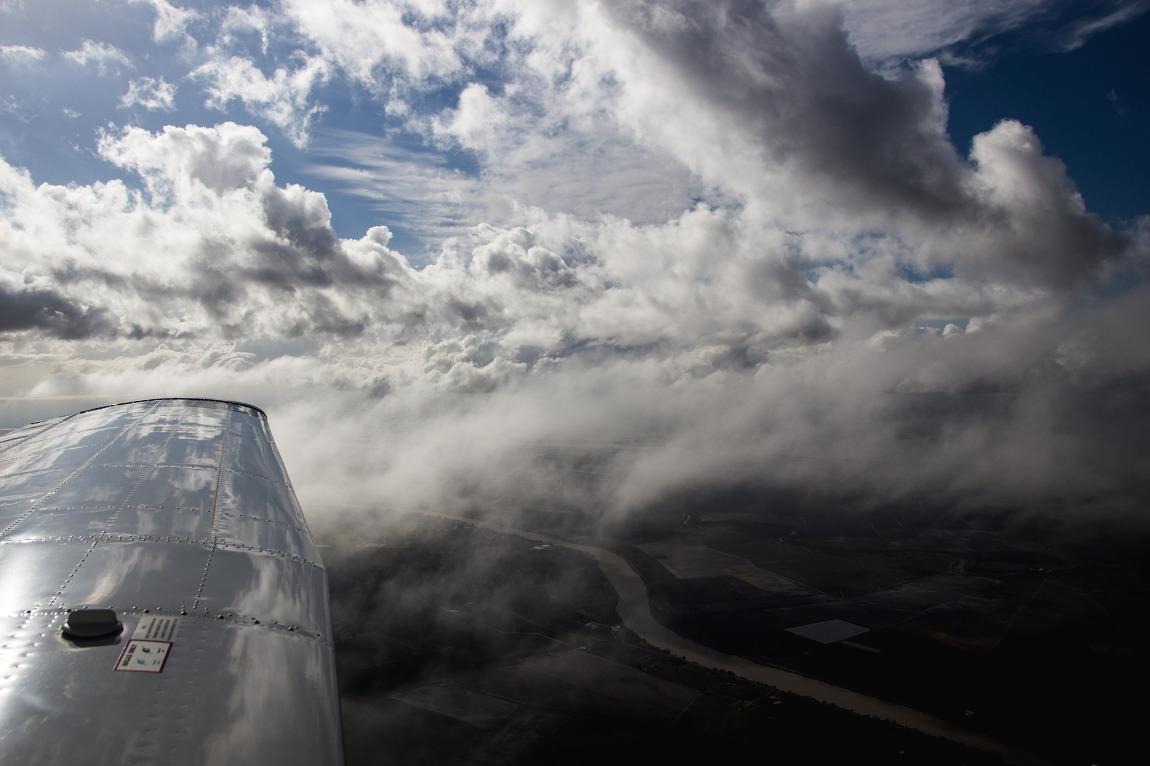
824,294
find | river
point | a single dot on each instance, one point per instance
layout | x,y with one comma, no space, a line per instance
635,611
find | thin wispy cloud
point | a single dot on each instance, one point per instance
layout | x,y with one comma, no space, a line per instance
21,54
102,57
150,93
282,98
1076,35
411,188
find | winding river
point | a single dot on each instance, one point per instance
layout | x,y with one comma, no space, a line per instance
635,611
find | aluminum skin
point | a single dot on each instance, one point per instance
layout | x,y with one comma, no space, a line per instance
167,508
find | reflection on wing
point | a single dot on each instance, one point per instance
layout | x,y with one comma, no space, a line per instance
179,516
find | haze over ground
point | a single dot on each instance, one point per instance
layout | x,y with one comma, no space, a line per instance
593,254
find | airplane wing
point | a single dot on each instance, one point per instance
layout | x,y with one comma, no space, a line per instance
161,599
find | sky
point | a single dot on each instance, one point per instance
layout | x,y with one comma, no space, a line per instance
593,255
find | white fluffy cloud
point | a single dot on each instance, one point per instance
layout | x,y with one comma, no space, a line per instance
774,108
476,122
363,36
215,235
212,247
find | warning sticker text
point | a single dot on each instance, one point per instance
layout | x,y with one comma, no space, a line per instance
144,656
156,628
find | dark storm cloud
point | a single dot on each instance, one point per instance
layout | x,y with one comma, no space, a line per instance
1033,226
867,143
69,273
793,79
51,314
306,251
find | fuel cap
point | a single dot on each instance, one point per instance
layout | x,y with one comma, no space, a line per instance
91,623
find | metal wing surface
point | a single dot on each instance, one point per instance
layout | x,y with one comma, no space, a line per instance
178,515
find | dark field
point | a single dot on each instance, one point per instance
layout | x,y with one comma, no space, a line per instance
1015,627
461,645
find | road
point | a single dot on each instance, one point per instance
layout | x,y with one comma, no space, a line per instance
635,611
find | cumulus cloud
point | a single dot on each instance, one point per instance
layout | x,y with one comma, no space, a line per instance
775,106
1039,228
793,99
177,162
476,121
216,246
769,106
150,93
709,278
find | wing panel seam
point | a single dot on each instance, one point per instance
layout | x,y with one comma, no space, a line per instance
72,476
69,478
116,537
215,510
16,440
